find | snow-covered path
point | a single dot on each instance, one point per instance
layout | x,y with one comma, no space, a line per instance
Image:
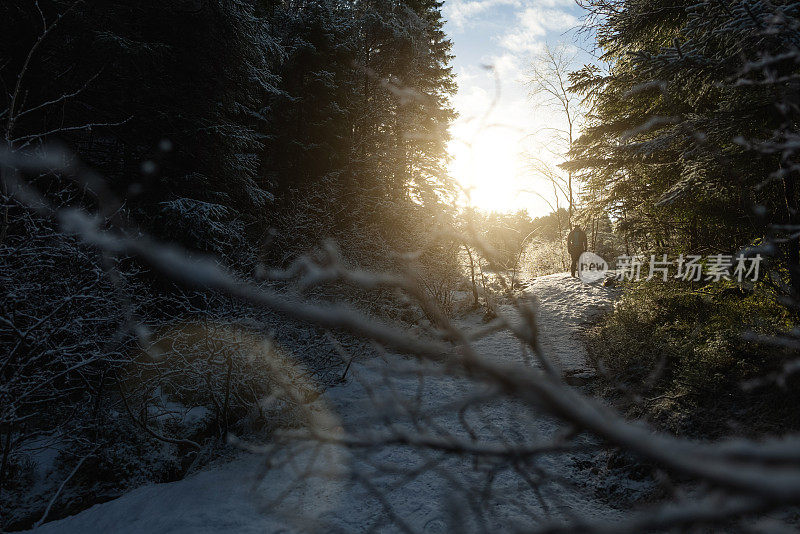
566,306
392,487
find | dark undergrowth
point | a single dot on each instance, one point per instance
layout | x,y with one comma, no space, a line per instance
685,359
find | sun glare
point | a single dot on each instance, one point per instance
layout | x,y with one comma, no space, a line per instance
490,170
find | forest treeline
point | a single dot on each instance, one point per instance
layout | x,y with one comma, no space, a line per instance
690,147
216,121
250,130
690,142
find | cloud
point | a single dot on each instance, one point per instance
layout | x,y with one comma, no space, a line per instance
556,3
461,12
467,75
506,65
533,24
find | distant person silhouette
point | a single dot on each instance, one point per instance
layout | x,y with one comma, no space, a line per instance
576,245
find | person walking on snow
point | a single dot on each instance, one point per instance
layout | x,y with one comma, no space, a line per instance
576,245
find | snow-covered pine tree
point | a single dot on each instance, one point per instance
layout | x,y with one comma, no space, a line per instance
689,90
166,99
359,131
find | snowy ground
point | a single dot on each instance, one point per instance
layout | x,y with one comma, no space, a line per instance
393,487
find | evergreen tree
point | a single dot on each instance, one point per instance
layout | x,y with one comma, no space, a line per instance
164,99
359,130
671,152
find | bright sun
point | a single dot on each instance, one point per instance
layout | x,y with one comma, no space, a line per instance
490,169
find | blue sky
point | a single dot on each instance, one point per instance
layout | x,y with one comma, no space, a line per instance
508,35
